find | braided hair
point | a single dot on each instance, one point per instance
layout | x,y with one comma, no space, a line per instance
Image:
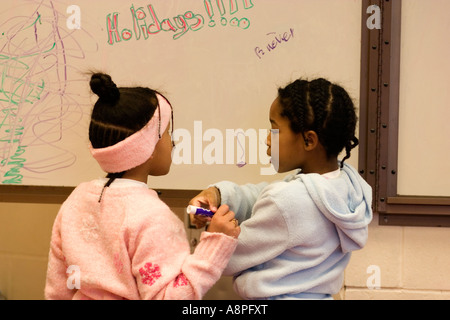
324,108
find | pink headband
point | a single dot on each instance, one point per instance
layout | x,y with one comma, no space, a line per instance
137,148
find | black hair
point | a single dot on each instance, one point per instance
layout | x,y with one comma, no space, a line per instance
324,108
118,113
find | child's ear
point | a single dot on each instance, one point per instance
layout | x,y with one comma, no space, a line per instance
311,140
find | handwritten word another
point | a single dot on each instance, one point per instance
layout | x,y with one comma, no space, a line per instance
274,43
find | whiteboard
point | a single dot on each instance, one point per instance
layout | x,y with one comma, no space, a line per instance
220,64
424,132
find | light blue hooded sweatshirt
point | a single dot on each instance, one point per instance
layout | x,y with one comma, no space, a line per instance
297,235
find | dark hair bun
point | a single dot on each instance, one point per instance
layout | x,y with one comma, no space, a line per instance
103,86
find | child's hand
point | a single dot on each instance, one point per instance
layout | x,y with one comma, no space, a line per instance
224,222
209,199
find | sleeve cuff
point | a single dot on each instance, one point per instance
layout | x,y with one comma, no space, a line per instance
216,248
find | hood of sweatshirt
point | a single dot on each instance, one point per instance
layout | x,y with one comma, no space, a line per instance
346,201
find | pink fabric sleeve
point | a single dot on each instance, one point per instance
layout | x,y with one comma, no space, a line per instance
164,267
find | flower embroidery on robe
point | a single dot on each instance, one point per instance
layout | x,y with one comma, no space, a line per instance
150,273
180,281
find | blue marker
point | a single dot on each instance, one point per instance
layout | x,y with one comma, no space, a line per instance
199,211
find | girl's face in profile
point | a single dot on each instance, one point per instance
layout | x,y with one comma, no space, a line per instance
291,145
162,156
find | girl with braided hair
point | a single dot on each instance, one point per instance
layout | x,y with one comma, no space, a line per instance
297,234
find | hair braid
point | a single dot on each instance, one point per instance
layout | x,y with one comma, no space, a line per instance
319,99
296,108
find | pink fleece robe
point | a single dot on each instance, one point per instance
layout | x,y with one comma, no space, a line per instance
129,246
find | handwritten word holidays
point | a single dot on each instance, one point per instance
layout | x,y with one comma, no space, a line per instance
146,21
275,41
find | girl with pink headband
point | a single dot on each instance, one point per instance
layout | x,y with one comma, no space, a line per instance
113,238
